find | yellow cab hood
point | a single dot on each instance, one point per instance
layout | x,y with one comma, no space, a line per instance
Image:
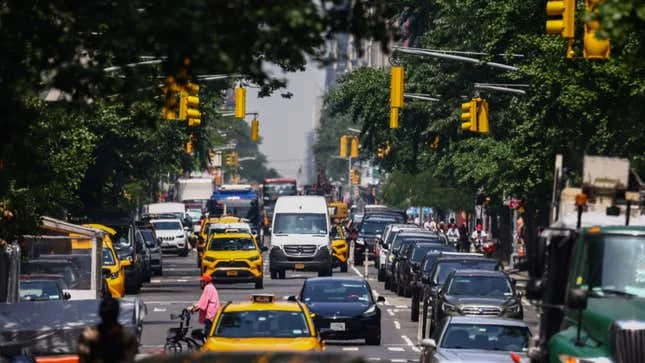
234,255
217,344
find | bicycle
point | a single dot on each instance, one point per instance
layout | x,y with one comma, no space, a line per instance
177,339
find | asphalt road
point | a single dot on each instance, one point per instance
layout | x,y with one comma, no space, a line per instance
179,287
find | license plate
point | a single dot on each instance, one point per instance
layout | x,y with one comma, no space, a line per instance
299,266
337,326
231,273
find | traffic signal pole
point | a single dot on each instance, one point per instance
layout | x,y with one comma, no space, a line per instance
453,56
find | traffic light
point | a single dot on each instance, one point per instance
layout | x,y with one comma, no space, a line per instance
189,105
469,115
354,151
255,130
397,88
594,48
229,159
343,146
380,152
169,110
482,116
240,102
562,14
189,147
236,158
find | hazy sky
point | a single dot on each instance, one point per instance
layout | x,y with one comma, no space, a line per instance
285,123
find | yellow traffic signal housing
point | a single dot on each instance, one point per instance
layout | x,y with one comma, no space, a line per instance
189,105
229,159
354,151
240,102
255,130
562,14
343,147
482,116
469,115
397,76
394,118
380,152
170,110
189,147
594,48
236,158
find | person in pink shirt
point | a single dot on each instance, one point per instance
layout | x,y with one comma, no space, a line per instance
208,304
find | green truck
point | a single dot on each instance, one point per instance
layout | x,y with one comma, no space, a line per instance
587,275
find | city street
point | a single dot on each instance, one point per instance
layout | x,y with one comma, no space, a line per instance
179,287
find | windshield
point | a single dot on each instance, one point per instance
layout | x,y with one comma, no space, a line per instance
445,268
334,291
122,236
167,226
108,257
39,290
300,223
262,323
486,337
479,286
373,227
149,237
274,190
419,251
231,244
616,265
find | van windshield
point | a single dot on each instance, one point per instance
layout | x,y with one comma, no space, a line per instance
300,223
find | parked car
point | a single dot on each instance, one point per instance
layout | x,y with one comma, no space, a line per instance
476,339
447,263
478,292
384,242
153,246
339,248
344,308
128,248
43,287
409,262
369,231
422,276
401,240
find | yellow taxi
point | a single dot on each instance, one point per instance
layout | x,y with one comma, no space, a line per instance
339,248
202,238
263,324
234,257
113,268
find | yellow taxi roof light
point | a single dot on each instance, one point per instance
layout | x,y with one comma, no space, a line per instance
262,298
594,230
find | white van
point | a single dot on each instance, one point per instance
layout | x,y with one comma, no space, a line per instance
300,236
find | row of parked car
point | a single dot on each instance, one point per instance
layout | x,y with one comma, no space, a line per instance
445,287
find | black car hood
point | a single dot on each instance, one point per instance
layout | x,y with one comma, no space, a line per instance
479,300
323,309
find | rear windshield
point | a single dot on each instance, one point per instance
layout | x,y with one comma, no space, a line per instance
444,268
419,251
371,227
262,324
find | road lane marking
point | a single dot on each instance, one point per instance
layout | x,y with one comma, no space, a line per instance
398,360
408,341
356,271
397,324
389,311
159,309
352,349
402,307
374,358
396,349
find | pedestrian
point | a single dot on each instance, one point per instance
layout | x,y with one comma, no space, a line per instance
208,304
108,341
463,236
428,223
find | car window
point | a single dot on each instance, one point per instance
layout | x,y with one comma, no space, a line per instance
418,251
108,257
486,337
231,244
262,323
122,237
300,223
333,291
373,227
479,286
149,237
38,290
444,268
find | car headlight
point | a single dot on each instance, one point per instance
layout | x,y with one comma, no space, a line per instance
514,308
571,359
449,308
254,258
370,311
360,241
181,236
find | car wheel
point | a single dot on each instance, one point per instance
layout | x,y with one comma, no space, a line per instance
259,283
374,340
343,267
274,275
282,274
414,308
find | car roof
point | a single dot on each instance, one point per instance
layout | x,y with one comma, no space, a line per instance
166,220
238,306
336,279
231,235
417,234
470,272
486,321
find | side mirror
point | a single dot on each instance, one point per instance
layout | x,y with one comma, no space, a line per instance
66,295
264,248
429,344
577,299
125,263
380,299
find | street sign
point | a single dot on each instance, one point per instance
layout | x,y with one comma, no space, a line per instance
514,203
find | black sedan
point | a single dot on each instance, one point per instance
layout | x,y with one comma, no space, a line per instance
344,308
